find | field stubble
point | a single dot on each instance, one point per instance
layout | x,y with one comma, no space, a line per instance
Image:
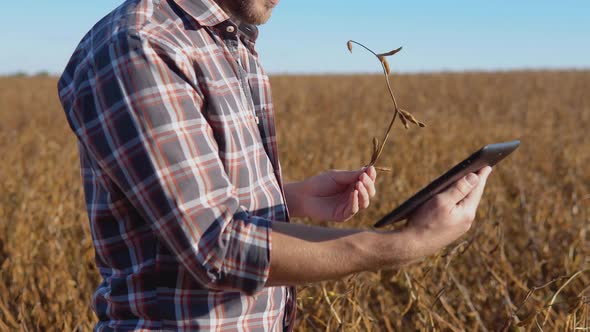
525,262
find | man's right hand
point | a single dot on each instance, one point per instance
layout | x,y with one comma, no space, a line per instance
448,215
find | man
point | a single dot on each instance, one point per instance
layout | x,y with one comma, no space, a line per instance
183,185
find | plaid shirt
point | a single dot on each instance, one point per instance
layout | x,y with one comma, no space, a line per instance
176,135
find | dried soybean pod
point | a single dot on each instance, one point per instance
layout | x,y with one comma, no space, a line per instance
409,116
375,154
349,45
385,65
375,148
404,120
375,143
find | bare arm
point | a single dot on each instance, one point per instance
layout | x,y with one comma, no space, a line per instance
303,254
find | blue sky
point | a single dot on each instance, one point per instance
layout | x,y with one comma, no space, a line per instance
309,36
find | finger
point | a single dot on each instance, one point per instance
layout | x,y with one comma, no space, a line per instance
345,208
486,171
372,173
368,184
349,205
354,205
460,189
471,201
346,177
364,198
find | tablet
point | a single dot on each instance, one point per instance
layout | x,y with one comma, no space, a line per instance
489,155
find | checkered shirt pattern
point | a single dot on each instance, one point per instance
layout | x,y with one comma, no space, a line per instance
178,152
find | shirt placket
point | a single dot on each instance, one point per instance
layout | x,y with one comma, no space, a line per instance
232,42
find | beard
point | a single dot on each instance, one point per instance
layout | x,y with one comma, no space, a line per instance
255,12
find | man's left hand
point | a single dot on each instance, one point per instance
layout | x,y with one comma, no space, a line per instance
332,195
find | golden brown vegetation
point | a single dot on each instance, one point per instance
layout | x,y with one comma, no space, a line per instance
525,261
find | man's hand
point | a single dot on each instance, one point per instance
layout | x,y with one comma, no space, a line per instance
447,215
303,254
332,195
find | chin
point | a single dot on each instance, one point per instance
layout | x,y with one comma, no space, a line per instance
257,20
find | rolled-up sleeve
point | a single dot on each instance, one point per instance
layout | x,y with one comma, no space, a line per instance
143,123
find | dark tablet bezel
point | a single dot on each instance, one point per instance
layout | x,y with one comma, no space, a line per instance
489,155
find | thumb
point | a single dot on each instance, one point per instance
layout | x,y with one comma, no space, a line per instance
346,177
460,189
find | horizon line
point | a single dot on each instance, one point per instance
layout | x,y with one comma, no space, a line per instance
46,73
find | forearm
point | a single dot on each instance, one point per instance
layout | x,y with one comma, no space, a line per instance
302,254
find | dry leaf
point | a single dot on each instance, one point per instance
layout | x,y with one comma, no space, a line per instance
390,52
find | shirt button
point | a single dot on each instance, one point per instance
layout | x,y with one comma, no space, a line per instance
230,29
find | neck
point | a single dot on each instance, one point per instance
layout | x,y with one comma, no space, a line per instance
225,7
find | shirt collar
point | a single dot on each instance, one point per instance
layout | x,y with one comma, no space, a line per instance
208,13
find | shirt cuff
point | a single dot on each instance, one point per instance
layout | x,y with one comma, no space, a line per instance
246,265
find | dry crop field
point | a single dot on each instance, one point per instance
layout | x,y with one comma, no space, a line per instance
525,264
